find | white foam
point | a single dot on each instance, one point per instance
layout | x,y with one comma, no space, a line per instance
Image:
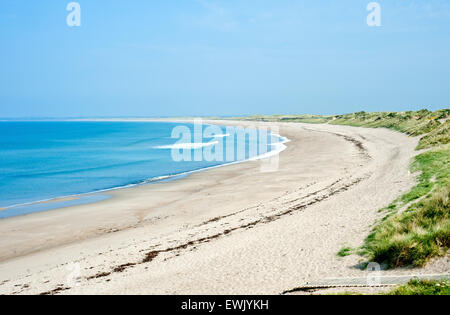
278,148
187,146
222,135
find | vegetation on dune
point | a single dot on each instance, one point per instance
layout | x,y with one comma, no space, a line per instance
440,135
310,119
422,287
415,287
413,235
346,251
422,230
434,126
434,170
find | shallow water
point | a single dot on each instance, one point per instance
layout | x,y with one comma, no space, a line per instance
45,160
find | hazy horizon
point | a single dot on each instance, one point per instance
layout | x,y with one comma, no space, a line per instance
24,118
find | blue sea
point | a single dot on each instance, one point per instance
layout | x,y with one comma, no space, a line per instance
45,160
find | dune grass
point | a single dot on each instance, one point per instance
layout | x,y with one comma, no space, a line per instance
422,231
413,287
414,236
434,126
346,251
422,287
440,135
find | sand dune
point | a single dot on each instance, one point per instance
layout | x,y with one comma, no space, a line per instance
229,230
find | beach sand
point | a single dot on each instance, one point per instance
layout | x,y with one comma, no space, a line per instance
228,230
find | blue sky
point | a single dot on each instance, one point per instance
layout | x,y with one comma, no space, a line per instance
224,57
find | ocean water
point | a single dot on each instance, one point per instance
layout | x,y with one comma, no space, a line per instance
45,160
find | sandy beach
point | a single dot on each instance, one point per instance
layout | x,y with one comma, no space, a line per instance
228,230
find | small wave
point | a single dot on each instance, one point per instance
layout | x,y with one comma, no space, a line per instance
188,146
222,135
278,147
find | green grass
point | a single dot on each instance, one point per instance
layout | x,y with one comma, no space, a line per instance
422,287
411,122
433,126
440,135
414,287
434,172
433,167
414,236
422,231
346,251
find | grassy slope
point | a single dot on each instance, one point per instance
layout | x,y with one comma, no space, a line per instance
422,287
416,287
433,126
422,231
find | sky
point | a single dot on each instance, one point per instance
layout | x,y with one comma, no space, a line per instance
139,58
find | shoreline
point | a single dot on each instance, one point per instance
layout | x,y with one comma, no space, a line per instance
153,180
293,220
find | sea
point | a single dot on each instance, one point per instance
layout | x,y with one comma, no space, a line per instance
41,161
